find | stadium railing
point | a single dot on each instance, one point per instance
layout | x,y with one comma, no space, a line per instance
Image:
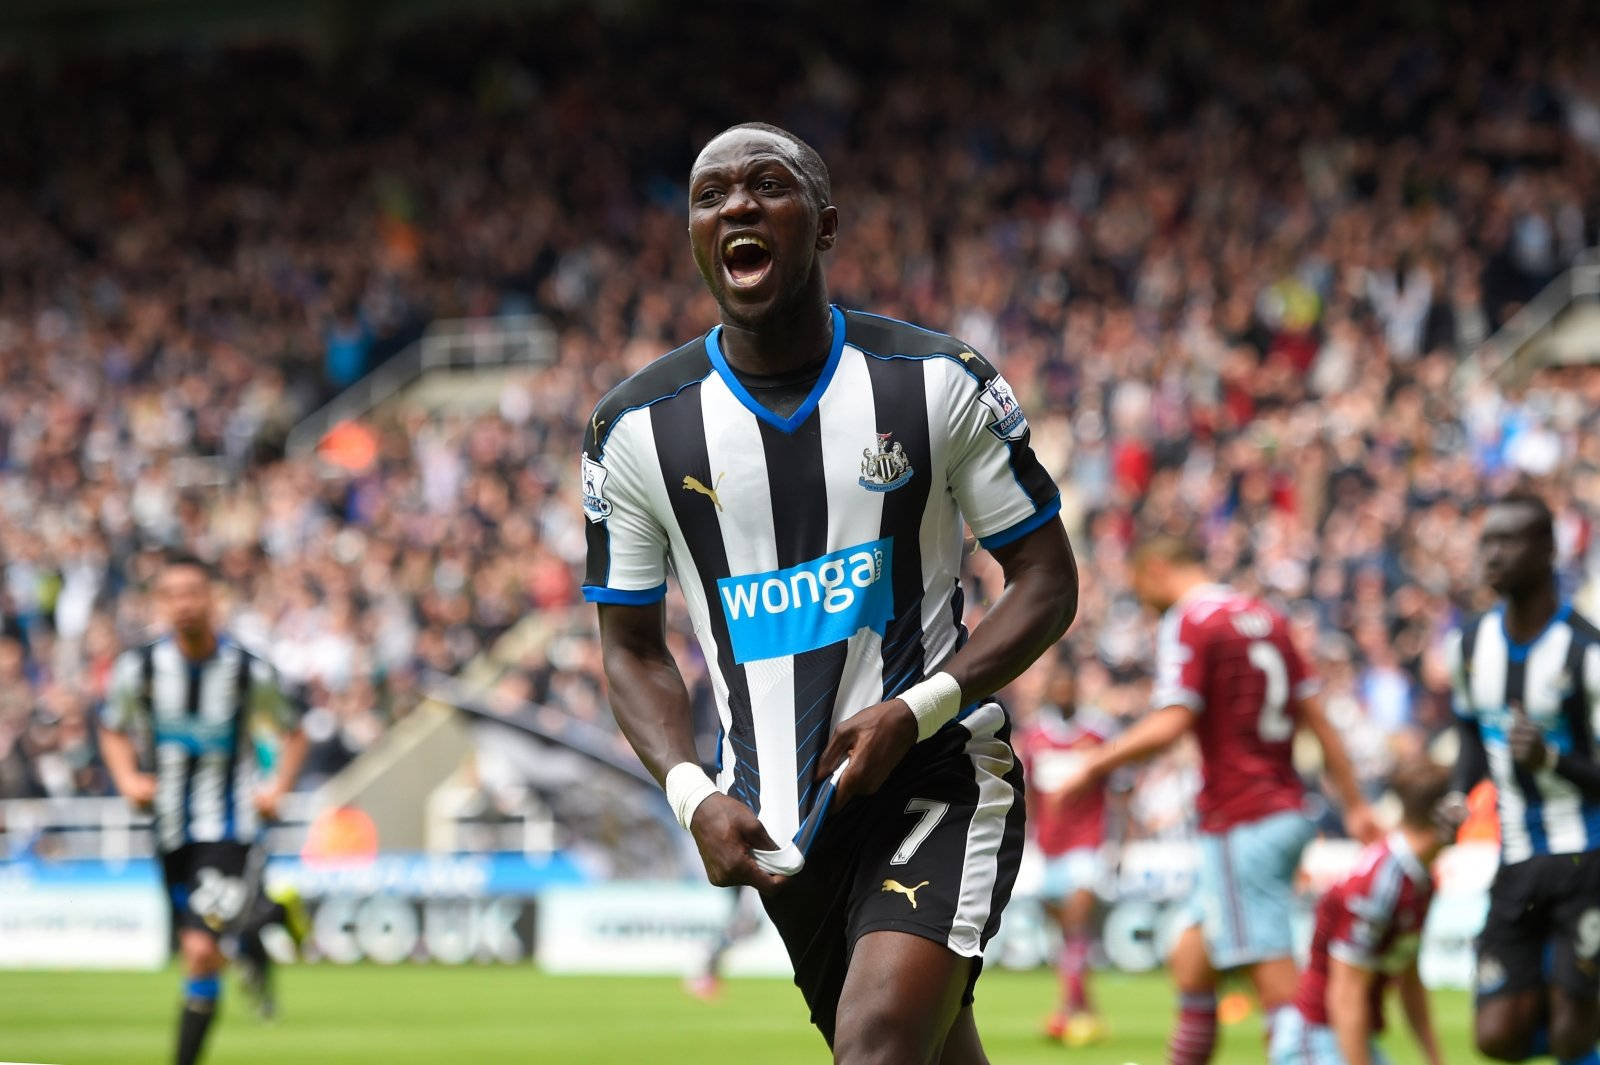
108,829
1544,333
447,345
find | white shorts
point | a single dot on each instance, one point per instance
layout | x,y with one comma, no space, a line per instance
1244,892
1296,1041
1070,872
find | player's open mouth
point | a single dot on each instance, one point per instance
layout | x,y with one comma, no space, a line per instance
747,259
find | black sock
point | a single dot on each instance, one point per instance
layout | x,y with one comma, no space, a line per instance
199,1007
253,950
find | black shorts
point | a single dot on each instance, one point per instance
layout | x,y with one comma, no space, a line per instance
1545,907
211,885
934,853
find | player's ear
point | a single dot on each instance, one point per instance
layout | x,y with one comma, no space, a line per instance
827,227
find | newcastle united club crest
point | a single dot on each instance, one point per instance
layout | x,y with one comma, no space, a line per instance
885,467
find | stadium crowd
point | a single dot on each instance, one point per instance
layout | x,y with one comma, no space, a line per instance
1234,268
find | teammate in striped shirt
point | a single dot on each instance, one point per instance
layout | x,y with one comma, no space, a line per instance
1227,670
804,472
1367,933
188,702
1526,679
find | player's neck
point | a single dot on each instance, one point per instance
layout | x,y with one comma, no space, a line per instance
1424,843
1527,615
1186,582
196,647
791,338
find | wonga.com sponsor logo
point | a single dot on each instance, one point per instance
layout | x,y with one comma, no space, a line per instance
828,599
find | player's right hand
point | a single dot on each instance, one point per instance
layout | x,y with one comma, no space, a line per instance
726,831
140,790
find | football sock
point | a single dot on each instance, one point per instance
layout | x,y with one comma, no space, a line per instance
1591,1058
1195,1037
251,948
1074,963
1539,1046
1272,1018
200,996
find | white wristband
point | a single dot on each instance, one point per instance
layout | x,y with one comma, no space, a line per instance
933,703
687,787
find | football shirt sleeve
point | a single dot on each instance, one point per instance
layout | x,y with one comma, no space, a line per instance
123,697
1001,488
1180,664
269,699
1455,666
1366,916
627,558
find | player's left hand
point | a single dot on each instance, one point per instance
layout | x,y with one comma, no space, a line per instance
267,798
1526,740
874,740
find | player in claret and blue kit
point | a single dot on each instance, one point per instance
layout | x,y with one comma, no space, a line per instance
1227,670
804,472
1367,935
1526,678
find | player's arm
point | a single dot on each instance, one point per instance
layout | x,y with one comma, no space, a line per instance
116,723
651,705
1472,760
1419,1015
1350,1010
1359,821
626,577
268,696
1152,734
1035,608
1181,659
1011,505
1532,750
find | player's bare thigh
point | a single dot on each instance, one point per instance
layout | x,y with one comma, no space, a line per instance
1574,1025
900,999
201,955
1190,964
1503,1024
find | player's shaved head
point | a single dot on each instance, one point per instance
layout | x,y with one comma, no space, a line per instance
807,162
1540,522
1420,784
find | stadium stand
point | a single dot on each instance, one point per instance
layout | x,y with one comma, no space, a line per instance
1238,273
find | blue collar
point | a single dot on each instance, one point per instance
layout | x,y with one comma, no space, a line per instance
1518,652
797,419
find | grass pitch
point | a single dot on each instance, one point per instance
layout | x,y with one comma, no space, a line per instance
489,1016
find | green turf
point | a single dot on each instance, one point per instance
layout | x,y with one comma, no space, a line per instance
487,1016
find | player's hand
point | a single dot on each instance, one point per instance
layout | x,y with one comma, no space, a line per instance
1526,740
1360,823
267,798
1080,781
875,740
1450,814
139,790
726,832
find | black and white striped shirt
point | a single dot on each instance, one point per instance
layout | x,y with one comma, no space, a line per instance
196,718
819,553
1555,678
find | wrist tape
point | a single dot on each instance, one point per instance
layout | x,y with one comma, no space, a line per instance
933,702
687,787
